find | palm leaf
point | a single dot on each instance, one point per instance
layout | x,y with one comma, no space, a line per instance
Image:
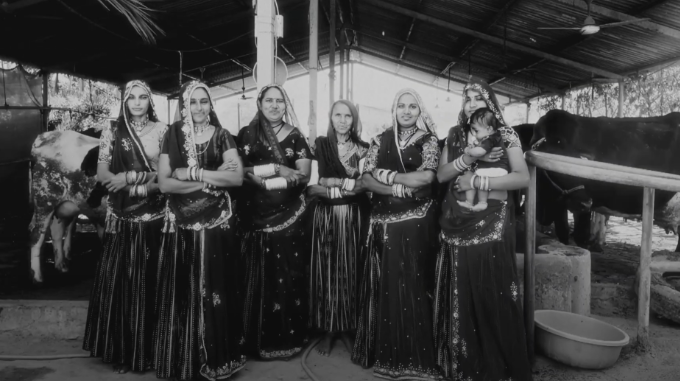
139,17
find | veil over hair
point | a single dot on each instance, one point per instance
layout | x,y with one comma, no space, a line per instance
183,115
327,151
124,117
424,121
260,126
477,84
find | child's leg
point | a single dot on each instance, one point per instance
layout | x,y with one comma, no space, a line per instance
469,198
482,197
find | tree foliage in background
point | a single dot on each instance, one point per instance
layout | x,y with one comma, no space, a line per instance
646,95
91,104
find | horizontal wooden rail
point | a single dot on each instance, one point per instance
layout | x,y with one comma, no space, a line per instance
611,173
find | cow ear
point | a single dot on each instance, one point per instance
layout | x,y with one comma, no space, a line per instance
587,156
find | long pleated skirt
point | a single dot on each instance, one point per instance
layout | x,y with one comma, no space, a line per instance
479,330
120,316
394,331
199,301
276,312
336,263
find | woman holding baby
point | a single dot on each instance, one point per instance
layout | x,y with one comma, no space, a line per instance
479,333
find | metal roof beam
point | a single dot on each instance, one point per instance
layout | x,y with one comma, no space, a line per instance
472,42
493,39
433,71
623,17
651,5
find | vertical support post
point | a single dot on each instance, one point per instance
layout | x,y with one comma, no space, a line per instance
342,67
331,56
562,102
266,42
169,112
530,250
622,95
45,100
349,75
313,65
644,274
528,111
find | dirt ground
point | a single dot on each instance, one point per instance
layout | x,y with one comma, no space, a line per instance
615,265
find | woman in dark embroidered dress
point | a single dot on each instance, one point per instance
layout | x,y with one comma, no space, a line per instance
120,318
479,331
394,331
340,225
276,241
199,300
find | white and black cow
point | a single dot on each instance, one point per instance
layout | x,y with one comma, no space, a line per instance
646,143
63,186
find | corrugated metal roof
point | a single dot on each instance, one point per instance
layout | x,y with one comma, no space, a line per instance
217,38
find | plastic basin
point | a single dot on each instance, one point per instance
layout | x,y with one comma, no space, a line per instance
578,340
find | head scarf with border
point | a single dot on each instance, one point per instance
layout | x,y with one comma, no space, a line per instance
260,127
201,209
424,121
327,150
489,96
129,155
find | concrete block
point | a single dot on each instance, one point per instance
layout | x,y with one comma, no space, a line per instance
552,275
580,274
59,319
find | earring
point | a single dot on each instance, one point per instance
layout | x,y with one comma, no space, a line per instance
208,119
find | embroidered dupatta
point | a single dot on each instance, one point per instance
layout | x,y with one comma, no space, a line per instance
129,155
201,209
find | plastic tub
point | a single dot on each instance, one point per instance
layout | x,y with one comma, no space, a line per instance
578,340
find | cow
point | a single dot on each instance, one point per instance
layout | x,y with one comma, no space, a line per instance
646,143
63,186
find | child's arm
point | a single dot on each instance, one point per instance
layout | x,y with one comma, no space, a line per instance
476,152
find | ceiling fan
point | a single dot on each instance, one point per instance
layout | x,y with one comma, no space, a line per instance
590,27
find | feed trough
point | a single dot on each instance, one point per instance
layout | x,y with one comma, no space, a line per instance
578,340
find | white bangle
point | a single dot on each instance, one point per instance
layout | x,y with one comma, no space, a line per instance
264,171
275,183
472,181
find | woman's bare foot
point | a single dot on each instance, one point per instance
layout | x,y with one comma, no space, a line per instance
348,341
325,345
121,368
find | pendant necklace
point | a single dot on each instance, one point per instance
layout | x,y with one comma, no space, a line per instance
405,137
139,126
280,126
201,128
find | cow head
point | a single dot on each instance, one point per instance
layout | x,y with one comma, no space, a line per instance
553,133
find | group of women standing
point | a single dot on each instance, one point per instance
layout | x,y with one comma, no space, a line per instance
217,248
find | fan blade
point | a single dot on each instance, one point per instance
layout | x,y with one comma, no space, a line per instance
547,28
622,23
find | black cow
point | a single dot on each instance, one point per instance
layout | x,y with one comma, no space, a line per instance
646,143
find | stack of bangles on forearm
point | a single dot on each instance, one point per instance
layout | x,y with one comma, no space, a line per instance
264,171
401,190
482,184
195,174
460,165
385,176
137,180
335,192
275,183
343,184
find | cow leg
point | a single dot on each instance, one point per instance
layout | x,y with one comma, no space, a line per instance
100,231
677,249
598,232
562,224
68,238
58,229
582,229
37,240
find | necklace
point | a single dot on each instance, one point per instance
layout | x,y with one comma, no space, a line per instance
200,129
280,126
139,126
406,136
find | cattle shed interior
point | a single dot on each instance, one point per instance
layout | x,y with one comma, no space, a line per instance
496,40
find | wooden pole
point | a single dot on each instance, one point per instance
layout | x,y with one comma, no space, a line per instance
331,57
622,94
313,66
644,274
342,67
530,249
45,100
266,42
562,102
